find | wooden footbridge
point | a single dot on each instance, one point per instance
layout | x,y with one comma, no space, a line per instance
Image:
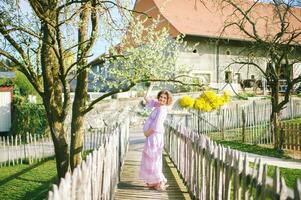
210,171
130,187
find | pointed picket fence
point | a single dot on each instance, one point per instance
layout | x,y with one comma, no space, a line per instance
33,148
30,148
98,175
212,171
248,123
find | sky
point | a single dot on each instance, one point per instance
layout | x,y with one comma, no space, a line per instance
101,45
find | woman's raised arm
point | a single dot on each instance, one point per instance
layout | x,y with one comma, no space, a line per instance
147,93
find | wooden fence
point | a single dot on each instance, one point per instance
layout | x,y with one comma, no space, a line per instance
212,171
97,177
33,147
231,117
247,123
30,148
290,135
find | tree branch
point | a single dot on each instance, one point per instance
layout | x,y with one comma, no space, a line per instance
24,70
115,91
249,63
172,80
22,29
65,83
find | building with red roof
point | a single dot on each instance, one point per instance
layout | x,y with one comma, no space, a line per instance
203,22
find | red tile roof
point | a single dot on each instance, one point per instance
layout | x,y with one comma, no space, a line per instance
191,17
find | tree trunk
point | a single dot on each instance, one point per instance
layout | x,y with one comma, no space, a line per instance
77,124
274,119
59,137
52,98
80,96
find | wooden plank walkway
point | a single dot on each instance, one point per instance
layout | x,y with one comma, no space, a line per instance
131,187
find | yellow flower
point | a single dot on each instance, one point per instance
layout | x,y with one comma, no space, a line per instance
207,108
186,102
199,104
206,102
220,101
226,97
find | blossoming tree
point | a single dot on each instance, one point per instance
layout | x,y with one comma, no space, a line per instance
40,42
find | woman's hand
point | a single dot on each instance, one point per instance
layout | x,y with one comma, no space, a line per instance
149,132
146,98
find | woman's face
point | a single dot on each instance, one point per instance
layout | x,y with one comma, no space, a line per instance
163,99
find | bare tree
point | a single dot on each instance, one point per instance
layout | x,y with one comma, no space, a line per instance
274,30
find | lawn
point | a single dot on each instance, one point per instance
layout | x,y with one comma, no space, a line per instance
251,148
27,181
290,175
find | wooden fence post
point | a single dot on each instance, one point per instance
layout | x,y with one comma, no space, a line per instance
223,125
198,121
297,190
254,113
243,117
187,120
237,115
281,139
291,109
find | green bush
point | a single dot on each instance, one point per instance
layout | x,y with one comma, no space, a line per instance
28,117
24,86
5,82
245,95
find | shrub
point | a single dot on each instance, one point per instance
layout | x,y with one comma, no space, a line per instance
24,85
206,102
245,95
28,117
186,102
6,82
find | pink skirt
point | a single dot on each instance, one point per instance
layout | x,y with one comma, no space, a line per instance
151,161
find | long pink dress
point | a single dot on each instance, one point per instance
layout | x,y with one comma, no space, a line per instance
151,162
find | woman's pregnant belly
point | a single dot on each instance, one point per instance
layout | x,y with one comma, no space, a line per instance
147,125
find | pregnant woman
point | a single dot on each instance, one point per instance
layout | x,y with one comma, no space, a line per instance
151,162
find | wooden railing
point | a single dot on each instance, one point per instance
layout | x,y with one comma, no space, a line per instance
98,175
212,171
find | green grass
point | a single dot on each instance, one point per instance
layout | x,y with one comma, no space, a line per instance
250,148
27,181
290,175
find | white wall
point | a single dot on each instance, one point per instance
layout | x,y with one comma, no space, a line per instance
204,60
5,111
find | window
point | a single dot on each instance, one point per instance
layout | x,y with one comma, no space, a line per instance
228,76
228,52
